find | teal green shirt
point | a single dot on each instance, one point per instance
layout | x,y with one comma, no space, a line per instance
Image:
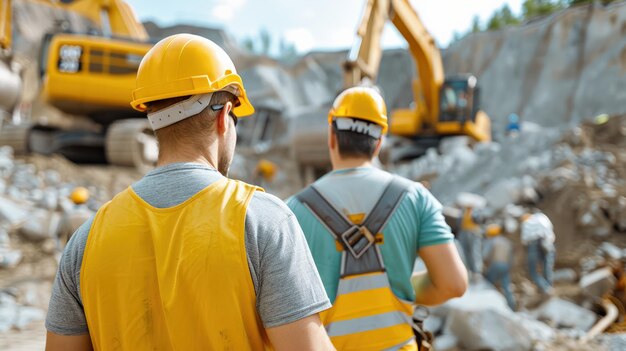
418,222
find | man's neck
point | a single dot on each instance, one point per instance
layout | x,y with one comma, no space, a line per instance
168,159
349,163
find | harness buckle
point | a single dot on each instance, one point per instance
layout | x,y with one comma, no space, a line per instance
358,240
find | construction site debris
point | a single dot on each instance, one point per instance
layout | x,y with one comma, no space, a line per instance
598,283
562,314
565,275
446,342
42,224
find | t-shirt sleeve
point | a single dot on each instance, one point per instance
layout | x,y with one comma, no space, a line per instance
433,229
289,287
66,315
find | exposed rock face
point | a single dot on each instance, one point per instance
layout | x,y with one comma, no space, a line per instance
555,71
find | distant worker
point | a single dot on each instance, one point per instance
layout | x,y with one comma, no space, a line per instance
365,228
265,171
74,217
470,237
513,126
538,238
185,258
498,253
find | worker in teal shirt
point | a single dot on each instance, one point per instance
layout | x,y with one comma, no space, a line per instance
370,259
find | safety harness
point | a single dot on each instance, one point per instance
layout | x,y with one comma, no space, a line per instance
364,282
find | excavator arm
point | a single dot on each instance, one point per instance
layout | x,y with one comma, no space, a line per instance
364,60
462,116
5,24
114,17
427,57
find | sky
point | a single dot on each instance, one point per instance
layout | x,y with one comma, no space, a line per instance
314,24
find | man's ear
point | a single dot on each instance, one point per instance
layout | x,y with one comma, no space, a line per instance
379,146
332,138
223,118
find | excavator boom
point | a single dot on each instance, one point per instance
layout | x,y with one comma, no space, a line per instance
425,118
5,24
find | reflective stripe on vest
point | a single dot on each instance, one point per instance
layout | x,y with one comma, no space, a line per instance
366,315
173,278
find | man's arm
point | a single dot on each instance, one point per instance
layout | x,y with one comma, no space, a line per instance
66,324
284,265
56,342
445,278
305,334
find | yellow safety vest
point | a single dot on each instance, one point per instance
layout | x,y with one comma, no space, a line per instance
468,223
366,314
172,278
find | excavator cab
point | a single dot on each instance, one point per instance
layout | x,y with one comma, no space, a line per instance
459,109
457,100
91,75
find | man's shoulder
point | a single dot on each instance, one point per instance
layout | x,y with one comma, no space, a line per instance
267,207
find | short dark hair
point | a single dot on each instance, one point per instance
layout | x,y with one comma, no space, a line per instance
352,144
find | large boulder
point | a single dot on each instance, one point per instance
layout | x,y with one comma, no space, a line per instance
564,314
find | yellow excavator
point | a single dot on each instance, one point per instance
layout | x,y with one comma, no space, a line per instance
90,74
443,107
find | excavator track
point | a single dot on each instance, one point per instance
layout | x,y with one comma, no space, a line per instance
131,143
16,136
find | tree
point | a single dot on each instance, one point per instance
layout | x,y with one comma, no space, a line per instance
266,41
248,44
495,22
476,25
286,50
534,8
507,16
501,18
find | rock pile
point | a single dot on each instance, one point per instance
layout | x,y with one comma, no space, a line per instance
33,202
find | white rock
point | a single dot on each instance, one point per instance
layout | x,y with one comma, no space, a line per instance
564,314
446,342
598,282
611,250
564,275
27,315
42,224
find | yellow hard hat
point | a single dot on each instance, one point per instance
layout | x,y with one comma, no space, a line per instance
267,169
493,230
79,195
361,103
186,65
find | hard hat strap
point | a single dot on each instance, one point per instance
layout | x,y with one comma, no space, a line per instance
179,111
359,126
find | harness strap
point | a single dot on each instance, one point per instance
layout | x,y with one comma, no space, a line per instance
356,239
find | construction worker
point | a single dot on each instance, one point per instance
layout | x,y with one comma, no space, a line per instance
498,254
365,228
538,238
74,217
470,238
185,258
265,172
513,127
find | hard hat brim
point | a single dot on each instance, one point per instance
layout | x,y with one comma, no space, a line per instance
192,86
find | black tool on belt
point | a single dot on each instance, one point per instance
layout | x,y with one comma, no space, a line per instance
424,338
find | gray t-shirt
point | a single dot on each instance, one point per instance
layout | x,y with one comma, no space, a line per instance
286,281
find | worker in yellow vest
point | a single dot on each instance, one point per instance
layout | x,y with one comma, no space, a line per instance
185,258
365,228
